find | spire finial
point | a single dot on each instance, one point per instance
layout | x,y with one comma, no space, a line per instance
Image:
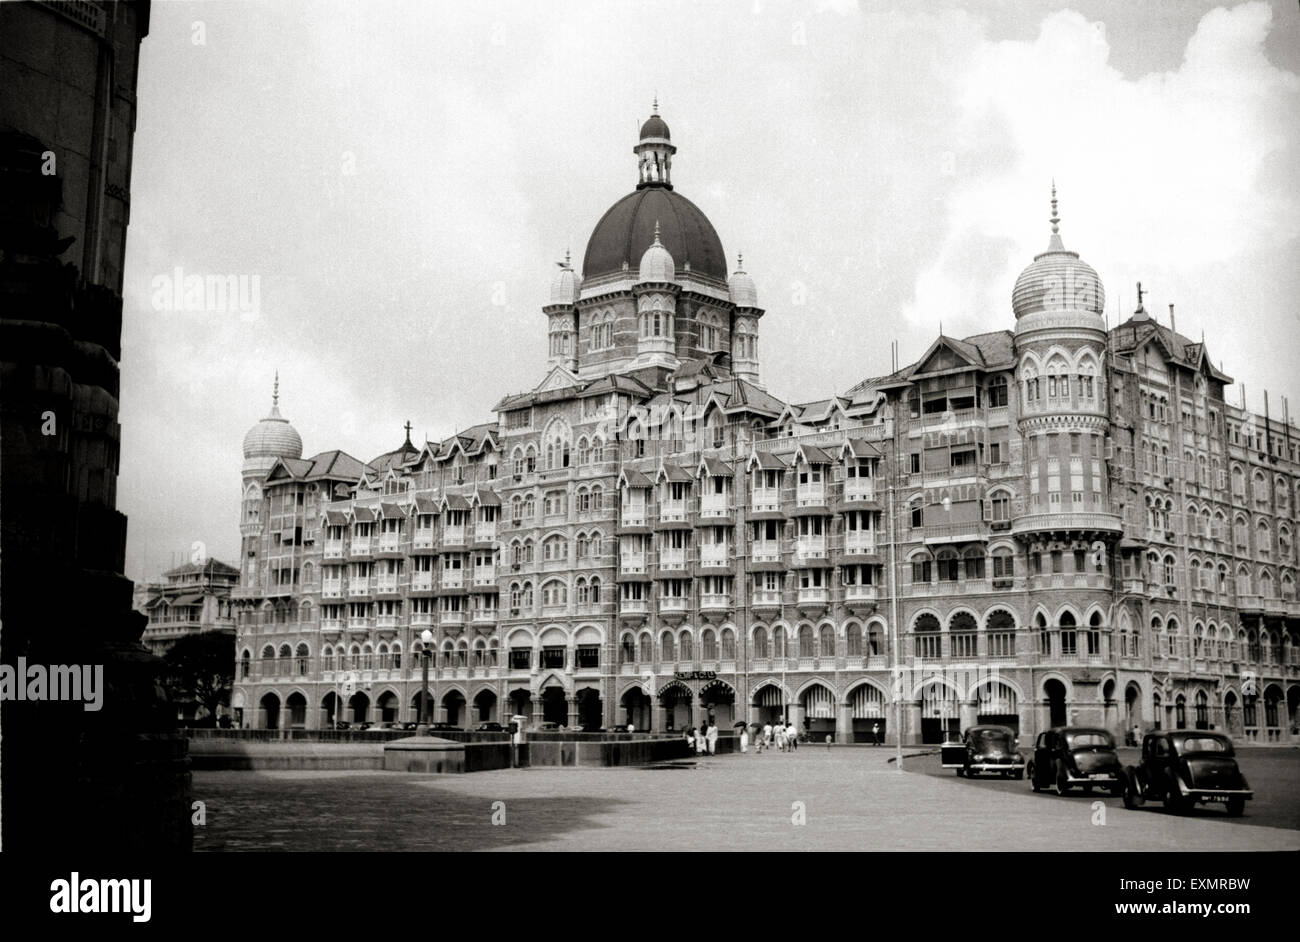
1056,218
657,232
407,426
656,103
275,394
566,258
740,261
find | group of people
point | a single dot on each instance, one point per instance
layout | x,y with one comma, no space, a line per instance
703,741
769,736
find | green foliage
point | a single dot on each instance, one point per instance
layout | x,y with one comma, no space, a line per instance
201,668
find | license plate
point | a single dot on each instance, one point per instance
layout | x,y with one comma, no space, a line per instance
1217,798
1098,775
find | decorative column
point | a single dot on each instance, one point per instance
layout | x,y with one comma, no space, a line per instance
844,723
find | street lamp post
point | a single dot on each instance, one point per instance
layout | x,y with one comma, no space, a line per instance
426,639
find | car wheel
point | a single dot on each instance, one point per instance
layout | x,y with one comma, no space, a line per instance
960,771
1118,788
1236,807
1174,803
1062,783
1133,797
1018,775
1033,777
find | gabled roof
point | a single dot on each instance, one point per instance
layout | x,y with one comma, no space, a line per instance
426,505
363,514
454,502
858,448
334,465
713,467
1132,334
989,351
766,461
486,498
811,454
336,518
672,472
630,477
391,510
207,567
616,383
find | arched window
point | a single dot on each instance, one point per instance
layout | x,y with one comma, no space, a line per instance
302,658
760,642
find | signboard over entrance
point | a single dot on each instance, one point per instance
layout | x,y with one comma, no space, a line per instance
696,675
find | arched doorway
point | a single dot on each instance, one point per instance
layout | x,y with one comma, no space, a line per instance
1054,691
269,707
1231,719
940,713
635,706
997,705
769,704
555,706
485,707
867,709
329,710
1132,710
818,702
1202,710
389,706
591,710
297,706
359,706
1273,712
453,704
676,702
718,699
521,704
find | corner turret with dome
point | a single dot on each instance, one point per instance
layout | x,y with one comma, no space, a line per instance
273,437
1057,280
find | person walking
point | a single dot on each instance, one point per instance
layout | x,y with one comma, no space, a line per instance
712,737
744,739
690,739
767,735
875,734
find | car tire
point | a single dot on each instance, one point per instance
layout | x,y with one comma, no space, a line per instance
1018,775
1174,803
1033,778
1062,783
1118,788
1236,807
1133,797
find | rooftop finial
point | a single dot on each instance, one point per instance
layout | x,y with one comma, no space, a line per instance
740,262
656,103
275,394
657,242
407,426
566,258
1056,218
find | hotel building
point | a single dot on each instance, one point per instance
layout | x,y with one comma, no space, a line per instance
1056,522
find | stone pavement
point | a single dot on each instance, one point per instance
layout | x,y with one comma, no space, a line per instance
847,799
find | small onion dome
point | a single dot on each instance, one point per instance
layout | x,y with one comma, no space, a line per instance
741,287
564,285
655,127
273,437
656,263
1057,280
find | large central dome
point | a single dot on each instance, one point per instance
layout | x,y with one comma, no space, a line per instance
628,228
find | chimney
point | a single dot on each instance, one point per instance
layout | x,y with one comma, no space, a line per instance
1173,324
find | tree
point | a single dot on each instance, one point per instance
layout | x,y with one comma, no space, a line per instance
201,669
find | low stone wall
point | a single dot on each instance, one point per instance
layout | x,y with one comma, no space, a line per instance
436,755
224,754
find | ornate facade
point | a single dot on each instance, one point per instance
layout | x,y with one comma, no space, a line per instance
1063,522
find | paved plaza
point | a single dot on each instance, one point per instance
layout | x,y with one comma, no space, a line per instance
847,799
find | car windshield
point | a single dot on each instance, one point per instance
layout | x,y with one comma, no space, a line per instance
989,738
1089,739
1203,744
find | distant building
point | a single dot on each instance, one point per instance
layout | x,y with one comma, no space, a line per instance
192,598
1061,523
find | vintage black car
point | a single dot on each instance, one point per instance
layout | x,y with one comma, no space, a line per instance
1184,767
1069,756
985,749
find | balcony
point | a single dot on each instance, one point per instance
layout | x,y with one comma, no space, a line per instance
332,590
715,601
632,565
633,607
674,604
422,619
486,616
361,546
454,536
768,551
358,623
633,517
386,585
810,547
810,496
423,539
766,499
386,622
673,558
485,532
485,575
770,598
953,532
389,542
814,596
331,624
453,578
358,588
451,618
672,511
422,582
858,543
333,549
713,505
861,593
715,554
859,489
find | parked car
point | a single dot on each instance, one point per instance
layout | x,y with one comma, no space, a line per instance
986,749
491,728
1069,756
548,727
434,729
1183,768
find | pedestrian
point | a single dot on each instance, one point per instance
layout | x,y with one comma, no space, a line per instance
828,742
690,739
767,735
630,727
794,734
744,739
702,739
1137,734
779,730
713,738
875,734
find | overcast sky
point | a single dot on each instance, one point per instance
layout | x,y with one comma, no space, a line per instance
401,178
